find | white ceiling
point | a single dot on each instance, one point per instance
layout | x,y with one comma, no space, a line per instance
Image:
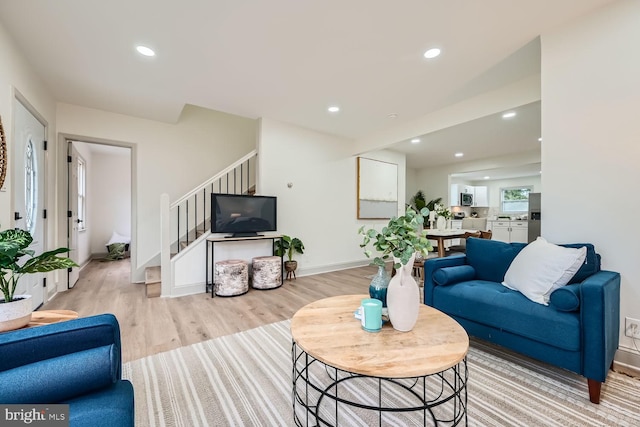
289,59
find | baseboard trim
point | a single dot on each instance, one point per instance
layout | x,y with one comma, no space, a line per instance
301,271
198,288
627,361
184,290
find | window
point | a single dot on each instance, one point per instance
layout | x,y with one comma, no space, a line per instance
30,187
82,192
514,199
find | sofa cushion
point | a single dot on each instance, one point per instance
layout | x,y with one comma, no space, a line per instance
566,298
542,267
451,275
491,304
491,258
60,378
591,263
108,407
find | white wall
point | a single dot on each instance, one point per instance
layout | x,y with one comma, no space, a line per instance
110,197
320,207
168,158
17,75
590,153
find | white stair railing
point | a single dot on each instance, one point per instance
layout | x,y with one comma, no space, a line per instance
187,219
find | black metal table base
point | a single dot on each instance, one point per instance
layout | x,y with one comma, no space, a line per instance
327,396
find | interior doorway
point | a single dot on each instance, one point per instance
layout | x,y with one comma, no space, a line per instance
99,200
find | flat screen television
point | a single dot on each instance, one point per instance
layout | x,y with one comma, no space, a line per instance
243,215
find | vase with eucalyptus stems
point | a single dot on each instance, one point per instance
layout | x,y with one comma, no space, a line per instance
400,239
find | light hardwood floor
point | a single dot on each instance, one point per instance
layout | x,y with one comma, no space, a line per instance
154,325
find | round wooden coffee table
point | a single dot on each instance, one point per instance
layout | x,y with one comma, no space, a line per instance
342,373
46,317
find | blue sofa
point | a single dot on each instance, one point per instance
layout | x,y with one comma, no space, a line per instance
578,330
75,362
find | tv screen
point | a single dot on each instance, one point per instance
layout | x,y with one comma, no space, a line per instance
242,215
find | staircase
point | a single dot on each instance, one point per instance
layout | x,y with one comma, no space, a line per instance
185,223
152,281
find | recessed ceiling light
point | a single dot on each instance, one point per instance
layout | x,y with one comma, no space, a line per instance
146,51
540,139
393,116
459,154
415,140
509,115
333,109
487,177
432,53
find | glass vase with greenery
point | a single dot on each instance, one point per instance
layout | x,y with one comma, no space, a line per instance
401,238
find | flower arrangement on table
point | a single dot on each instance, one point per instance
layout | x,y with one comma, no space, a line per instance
443,211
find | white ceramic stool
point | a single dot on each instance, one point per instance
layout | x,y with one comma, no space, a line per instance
267,272
231,277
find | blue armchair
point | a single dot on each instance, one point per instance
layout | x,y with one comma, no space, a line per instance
77,362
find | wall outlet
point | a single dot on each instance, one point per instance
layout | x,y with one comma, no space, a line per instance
632,327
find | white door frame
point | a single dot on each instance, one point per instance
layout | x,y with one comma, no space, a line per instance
72,206
63,190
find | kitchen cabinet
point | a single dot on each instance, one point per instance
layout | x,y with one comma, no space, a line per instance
509,231
520,231
480,194
454,195
456,224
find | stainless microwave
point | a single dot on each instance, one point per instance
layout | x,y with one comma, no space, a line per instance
466,199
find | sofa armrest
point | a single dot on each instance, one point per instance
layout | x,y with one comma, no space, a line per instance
433,264
59,361
600,319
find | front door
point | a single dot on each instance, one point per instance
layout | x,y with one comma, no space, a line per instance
28,195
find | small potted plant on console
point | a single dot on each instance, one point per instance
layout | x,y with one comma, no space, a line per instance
288,246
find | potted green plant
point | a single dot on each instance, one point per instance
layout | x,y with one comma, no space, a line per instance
288,246
432,203
401,238
15,311
418,201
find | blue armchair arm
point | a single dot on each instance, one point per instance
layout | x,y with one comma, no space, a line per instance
433,264
600,318
57,362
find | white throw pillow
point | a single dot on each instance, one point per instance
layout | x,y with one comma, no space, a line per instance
116,238
541,268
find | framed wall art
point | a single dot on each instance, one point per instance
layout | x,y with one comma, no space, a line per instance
377,189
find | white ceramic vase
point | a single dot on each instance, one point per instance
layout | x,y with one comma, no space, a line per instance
441,223
403,298
15,314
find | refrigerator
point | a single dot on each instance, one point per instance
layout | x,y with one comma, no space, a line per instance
534,216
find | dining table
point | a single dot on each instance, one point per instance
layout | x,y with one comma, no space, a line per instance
447,234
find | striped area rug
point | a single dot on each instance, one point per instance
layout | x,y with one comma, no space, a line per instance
245,380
